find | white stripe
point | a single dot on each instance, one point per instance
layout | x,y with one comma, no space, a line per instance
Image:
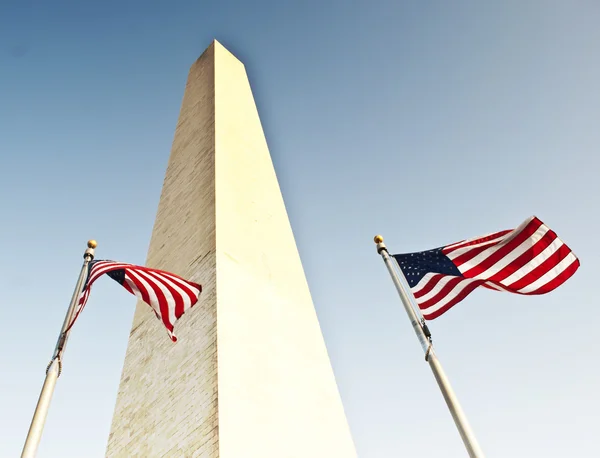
500,241
436,289
534,263
448,297
467,246
452,245
550,275
137,292
423,282
165,291
489,251
148,289
185,298
184,284
495,287
491,243
510,257
98,270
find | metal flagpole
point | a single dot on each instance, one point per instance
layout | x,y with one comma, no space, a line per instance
424,336
54,368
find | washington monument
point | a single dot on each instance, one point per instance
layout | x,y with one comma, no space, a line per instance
249,376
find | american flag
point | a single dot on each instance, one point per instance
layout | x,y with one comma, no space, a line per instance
168,294
530,259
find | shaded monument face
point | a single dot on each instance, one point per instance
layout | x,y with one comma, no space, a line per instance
249,376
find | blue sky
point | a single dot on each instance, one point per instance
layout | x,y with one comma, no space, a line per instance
428,122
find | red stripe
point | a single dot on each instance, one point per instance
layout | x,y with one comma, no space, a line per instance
446,289
127,287
467,256
184,284
162,301
550,263
434,280
499,285
560,278
163,275
459,297
174,294
485,285
100,269
450,249
140,287
526,257
187,287
158,271
504,249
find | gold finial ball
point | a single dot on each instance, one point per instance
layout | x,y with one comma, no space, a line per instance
92,244
378,239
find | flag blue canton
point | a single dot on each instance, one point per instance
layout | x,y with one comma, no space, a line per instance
415,265
117,275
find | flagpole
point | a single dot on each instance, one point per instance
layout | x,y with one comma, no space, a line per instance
54,368
424,336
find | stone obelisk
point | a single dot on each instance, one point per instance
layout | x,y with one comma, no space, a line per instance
249,376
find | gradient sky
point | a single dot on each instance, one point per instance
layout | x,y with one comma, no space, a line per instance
427,122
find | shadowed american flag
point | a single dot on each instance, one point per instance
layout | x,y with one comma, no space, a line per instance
530,259
168,294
